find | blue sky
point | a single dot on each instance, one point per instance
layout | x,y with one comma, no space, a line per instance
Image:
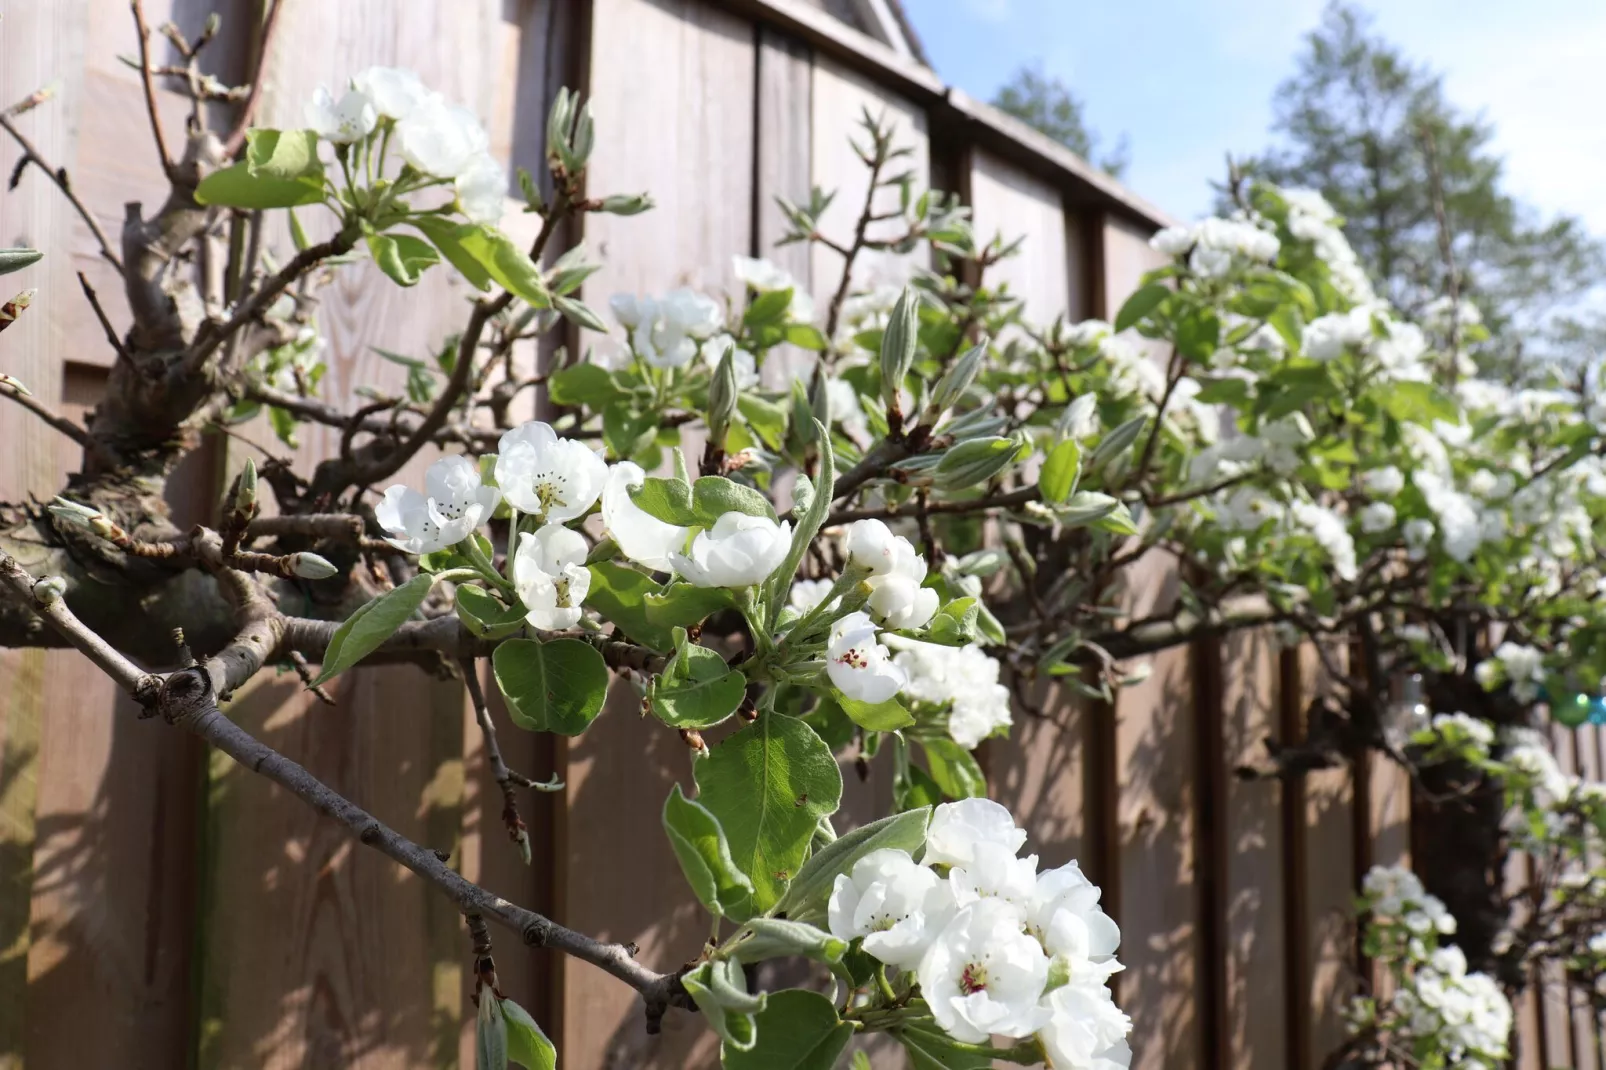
1189,80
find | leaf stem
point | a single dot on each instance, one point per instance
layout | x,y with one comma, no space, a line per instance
483,568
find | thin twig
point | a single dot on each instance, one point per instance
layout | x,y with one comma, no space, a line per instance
236,139
59,177
44,412
214,334
972,505
149,85
517,831
105,320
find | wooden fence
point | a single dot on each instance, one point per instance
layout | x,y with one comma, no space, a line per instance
160,908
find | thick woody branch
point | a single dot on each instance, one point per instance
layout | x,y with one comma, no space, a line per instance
213,335
188,700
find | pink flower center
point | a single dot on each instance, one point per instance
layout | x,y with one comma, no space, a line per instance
853,658
973,979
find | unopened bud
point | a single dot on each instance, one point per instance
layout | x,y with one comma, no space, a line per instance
722,394
627,204
9,383
976,461
70,512
310,566
49,590
245,491
956,380
102,525
898,346
17,259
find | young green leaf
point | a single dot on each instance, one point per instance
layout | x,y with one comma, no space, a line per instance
720,991
954,769
670,500
17,259
797,1030
447,236
527,1045
584,384
887,716
810,890
769,784
770,938
237,187
1143,301
486,617
1060,471
812,517
557,686
619,593
402,257
714,496
705,857
697,690
282,154
371,625
505,262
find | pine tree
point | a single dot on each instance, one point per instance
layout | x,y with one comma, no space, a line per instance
1373,131
1045,102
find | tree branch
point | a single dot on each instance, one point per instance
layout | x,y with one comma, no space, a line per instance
59,177
236,139
149,85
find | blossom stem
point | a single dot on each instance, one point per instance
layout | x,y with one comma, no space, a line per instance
483,567
883,984
512,539
851,577
1026,1053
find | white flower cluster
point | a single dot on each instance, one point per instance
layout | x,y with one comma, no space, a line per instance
1458,734
1394,893
436,137
998,948
1465,1016
555,481
963,681
667,332
1516,664
1215,245
1312,219
764,276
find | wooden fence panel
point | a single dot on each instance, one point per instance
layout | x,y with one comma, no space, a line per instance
1008,202
689,142
841,96
1256,965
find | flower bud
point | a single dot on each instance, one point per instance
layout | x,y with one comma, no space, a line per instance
245,491
71,512
898,346
956,380
975,462
310,566
9,383
722,393
49,590
627,204
17,259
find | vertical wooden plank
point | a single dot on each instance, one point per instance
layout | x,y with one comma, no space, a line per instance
841,97
1010,203
1331,879
1527,1024
783,168
1296,852
370,973
1256,954
690,143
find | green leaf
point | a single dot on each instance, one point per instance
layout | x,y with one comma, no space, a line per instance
1117,442
505,262
806,336
888,716
931,1049
768,308
807,898
584,384
705,857
767,419
619,593
373,623
720,991
17,259
714,496
527,1045
557,686
698,690
670,500
237,187
681,605
482,614
823,489
298,236
580,313
772,938
1086,507
955,623
954,769
627,432
403,257
797,1030
1058,478
1117,521
490,1035
282,154
1198,335
769,784
1420,403
447,236
1145,300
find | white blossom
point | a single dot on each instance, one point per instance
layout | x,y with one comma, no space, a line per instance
1085,1030
440,139
965,679
640,536
1524,669
667,332
1172,241
1379,516
896,596
1386,482
743,363
1063,913
481,189
1327,528
806,594
984,976
455,503
550,576
738,551
1418,533
395,91
550,478
897,906
1081,417
764,276
994,872
858,665
1326,337
957,827
351,118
